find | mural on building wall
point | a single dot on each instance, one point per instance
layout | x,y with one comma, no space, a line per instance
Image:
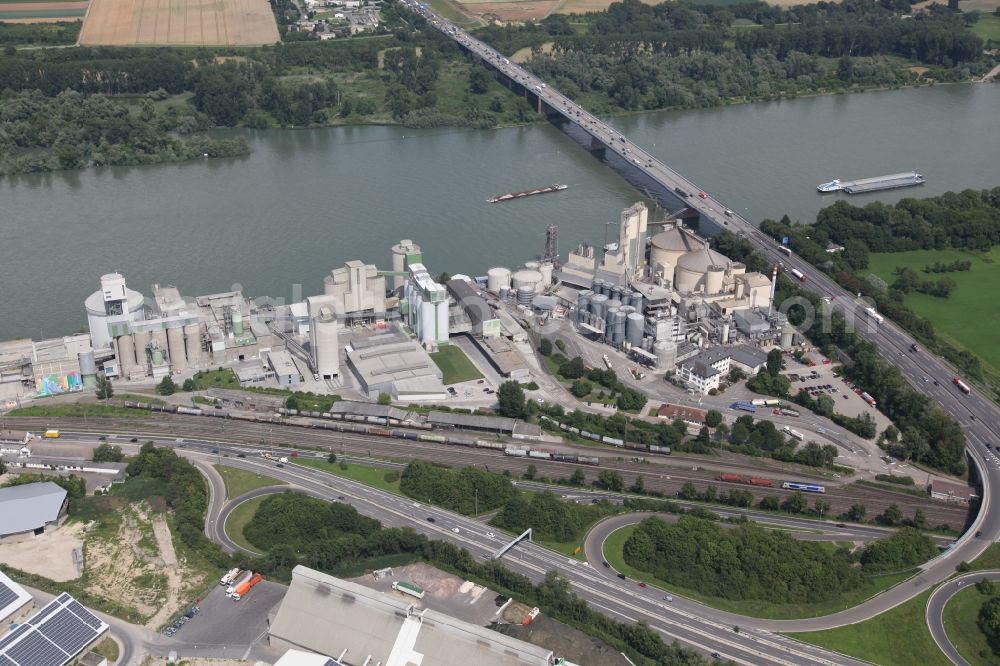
47,385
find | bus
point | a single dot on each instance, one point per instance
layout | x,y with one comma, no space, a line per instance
51,434
785,250
874,315
793,433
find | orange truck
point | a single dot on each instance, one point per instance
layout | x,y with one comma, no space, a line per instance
241,591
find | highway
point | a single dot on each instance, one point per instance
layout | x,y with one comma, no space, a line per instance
935,610
979,418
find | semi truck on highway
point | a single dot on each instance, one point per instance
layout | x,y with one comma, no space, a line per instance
784,411
242,590
793,433
874,315
962,386
765,403
798,275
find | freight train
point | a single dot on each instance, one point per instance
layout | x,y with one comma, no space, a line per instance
605,439
747,480
350,424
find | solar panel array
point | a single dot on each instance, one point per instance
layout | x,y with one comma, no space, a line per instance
53,636
7,595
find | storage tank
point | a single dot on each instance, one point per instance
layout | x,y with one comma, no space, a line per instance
546,270
613,303
738,268
609,317
175,349
192,340
616,293
620,318
141,340
637,301
713,279
126,355
400,252
532,265
88,369
582,306
634,326
598,304
237,320
787,336
599,287
156,357
323,333
160,338
525,295
627,309
525,278
498,279
666,355
647,343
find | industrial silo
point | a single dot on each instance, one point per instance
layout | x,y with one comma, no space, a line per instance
627,309
713,279
666,355
141,340
582,305
600,287
323,332
635,323
237,320
192,339
157,357
404,253
525,295
609,317
619,323
787,336
532,265
126,355
613,303
88,369
160,338
525,278
598,303
175,349
637,301
498,279
546,269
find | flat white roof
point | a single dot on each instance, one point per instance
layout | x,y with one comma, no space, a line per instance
30,506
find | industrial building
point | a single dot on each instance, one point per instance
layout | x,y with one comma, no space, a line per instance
497,425
356,626
425,307
284,368
404,254
388,361
54,636
27,510
15,602
324,334
484,320
358,290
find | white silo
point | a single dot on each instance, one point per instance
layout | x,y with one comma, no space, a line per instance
532,265
787,336
323,332
192,339
666,355
619,335
428,323
525,278
713,279
635,324
175,348
498,279
404,253
546,269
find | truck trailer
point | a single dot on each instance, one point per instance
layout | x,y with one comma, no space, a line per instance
228,577
962,386
239,580
242,590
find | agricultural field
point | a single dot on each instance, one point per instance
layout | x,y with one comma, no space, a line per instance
988,27
41,11
181,23
969,318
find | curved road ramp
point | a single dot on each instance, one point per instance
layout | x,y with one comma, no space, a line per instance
178,23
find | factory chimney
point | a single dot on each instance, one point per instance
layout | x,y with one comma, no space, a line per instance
774,286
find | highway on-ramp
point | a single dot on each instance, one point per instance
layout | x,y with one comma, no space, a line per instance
935,610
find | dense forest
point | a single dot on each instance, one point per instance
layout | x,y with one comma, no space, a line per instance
677,54
464,490
750,562
929,435
549,517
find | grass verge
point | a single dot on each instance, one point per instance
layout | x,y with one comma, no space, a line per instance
960,622
80,410
370,476
455,365
107,649
987,27
239,518
752,607
239,481
898,637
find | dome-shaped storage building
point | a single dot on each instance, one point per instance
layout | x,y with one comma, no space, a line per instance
693,267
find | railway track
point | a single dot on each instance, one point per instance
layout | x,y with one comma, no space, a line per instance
659,477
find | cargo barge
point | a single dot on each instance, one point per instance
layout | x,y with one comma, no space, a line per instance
527,193
890,182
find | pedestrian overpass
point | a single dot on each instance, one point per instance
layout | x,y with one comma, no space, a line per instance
503,550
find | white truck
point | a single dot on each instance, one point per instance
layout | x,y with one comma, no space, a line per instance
228,577
239,580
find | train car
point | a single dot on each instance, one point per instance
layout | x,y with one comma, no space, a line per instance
588,435
543,455
762,483
574,430
516,452
486,444
588,460
613,440
730,478
807,487
636,446
665,450
190,410
424,437
461,441
565,457
381,432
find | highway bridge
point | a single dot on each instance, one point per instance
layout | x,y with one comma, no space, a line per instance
978,416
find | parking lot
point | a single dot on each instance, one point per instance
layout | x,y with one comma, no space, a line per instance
820,379
223,621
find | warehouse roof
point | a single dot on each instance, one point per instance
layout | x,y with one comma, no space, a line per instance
331,616
477,422
367,409
30,506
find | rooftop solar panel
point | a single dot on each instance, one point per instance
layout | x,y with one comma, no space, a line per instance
67,632
84,614
7,595
42,614
35,650
6,661
12,636
64,597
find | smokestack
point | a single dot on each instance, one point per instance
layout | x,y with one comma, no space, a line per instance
774,286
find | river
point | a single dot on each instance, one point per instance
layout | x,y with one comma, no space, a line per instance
305,201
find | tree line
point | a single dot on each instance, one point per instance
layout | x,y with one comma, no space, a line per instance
549,517
462,490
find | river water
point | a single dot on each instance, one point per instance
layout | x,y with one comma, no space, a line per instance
305,201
